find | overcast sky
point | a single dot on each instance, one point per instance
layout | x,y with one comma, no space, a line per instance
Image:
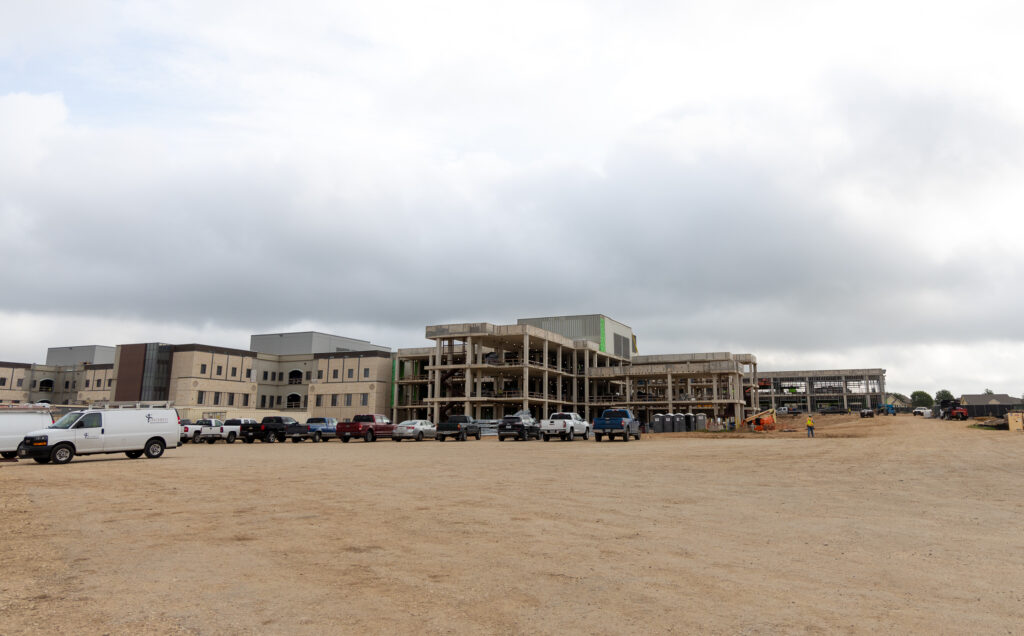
822,184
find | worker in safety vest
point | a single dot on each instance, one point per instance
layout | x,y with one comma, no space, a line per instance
810,425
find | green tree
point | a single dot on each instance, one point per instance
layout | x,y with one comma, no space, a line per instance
943,394
989,392
920,398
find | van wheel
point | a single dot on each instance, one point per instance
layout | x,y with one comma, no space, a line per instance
42,460
154,448
62,454
231,438
135,454
369,437
9,454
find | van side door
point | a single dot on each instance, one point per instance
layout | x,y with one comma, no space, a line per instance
89,434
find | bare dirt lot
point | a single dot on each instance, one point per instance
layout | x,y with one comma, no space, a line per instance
891,525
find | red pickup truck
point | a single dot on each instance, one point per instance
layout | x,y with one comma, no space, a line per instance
368,427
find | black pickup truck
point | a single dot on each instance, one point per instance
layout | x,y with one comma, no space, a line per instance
458,426
273,428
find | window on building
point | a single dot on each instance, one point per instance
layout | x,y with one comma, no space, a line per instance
264,376
110,382
231,399
319,400
200,397
263,401
74,384
86,382
335,375
334,399
3,381
245,399
234,372
67,384
350,373
320,374
220,370
202,369
20,381
363,399
216,398
348,399
33,385
305,401
248,373
309,374
366,372
279,399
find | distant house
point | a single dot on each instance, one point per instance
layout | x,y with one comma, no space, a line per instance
897,401
990,404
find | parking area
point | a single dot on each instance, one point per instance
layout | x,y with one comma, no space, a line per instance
892,524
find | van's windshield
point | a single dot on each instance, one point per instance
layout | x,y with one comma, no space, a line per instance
67,420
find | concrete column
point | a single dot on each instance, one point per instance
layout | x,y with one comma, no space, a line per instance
470,351
668,392
575,381
545,391
526,371
586,385
629,391
808,380
561,379
714,388
846,404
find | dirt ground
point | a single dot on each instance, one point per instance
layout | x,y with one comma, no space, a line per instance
891,525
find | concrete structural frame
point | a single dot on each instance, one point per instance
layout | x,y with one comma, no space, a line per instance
488,371
815,390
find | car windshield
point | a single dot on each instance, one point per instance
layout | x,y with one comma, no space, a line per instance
67,420
409,423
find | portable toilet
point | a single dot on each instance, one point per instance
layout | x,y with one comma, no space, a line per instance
701,422
678,424
690,422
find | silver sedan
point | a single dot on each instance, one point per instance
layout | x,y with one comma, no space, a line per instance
414,429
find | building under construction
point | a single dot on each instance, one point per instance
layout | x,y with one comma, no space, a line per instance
852,389
567,363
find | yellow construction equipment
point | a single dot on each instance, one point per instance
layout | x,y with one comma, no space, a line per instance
761,422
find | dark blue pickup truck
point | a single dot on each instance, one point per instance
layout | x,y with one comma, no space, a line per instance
616,423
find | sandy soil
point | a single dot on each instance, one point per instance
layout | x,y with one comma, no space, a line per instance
891,525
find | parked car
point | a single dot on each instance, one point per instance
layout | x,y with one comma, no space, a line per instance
212,430
520,426
297,432
133,432
616,422
368,427
867,413
189,431
14,424
921,410
414,429
270,429
458,426
322,429
566,426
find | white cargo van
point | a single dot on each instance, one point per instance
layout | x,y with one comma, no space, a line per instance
15,423
134,432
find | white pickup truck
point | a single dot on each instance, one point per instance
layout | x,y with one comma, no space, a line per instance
566,426
212,430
